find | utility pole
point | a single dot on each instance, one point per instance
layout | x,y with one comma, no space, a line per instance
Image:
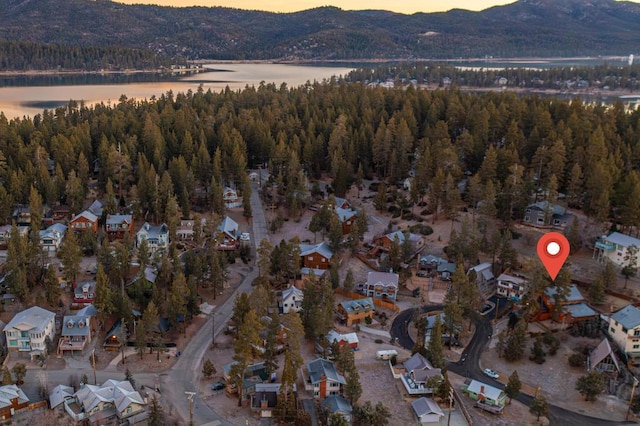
450,405
93,364
213,328
633,391
190,396
123,335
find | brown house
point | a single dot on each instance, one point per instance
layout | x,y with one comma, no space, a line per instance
12,399
85,221
568,310
315,256
386,241
347,217
356,311
118,225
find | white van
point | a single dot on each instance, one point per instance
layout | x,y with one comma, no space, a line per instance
387,354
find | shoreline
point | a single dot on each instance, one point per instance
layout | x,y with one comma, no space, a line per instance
34,73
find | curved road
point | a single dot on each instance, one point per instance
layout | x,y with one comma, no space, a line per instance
468,366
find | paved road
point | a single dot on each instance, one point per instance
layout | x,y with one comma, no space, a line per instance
469,366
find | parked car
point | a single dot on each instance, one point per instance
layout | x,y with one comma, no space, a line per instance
489,372
217,386
245,236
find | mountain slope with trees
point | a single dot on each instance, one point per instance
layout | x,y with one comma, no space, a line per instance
524,28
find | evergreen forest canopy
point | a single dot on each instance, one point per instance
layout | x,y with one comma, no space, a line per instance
526,28
187,143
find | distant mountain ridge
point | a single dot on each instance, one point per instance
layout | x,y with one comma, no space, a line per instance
524,28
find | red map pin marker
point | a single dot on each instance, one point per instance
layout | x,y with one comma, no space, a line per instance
553,250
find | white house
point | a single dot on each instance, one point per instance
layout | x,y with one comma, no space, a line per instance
615,247
624,328
28,331
51,238
290,300
230,197
427,410
382,285
156,236
512,288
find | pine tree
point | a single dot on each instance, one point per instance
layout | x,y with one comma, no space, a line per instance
352,388
590,385
512,389
435,349
70,255
539,406
516,342
244,349
157,416
208,370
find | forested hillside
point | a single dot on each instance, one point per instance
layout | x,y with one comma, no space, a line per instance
525,28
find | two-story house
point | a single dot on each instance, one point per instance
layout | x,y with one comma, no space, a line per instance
615,247
381,285
290,299
323,379
482,275
316,256
228,234
113,401
118,225
513,288
566,308
386,241
419,375
356,311
51,238
12,399
436,266
5,234
84,222
76,333
84,292
346,217
29,330
156,236
230,198
546,215
624,328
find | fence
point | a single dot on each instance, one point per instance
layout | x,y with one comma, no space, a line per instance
378,302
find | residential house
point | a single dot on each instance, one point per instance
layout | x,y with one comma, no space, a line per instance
118,225
513,288
85,221
253,375
316,256
230,197
335,404
30,330
21,215
76,333
228,234
342,203
84,292
5,234
156,236
436,266
96,208
51,238
187,229
615,247
604,360
12,399
356,311
567,309
265,398
347,217
427,410
59,395
624,328
346,340
112,402
419,374
290,299
546,215
484,278
115,337
386,241
57,214
323,379
486,394
381,285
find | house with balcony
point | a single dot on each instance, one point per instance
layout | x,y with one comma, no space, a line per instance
436,266
12,399
290,299
566,309
546,215
624,329
84,292
356,311
228,234
419,375
381,285
30,330
230,197
482,275
84,222
51,238
156,236
113,402
118,225
615,247
187,229
510,287
76,333
322,378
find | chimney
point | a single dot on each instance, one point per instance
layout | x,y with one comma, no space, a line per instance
482,389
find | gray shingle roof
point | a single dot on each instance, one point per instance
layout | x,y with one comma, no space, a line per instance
629,317
76,325
383,278
574,295
35,317
59,394
117,219
357,305
320,368
337,404
423,406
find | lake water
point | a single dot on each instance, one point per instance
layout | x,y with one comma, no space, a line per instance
29,95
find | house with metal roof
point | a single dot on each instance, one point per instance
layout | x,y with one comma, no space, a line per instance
624,329
323,379
316,256
615,248
59,394
85,221
228,234
418,372
566,308
76,333
486,394
386,241
335,404
546,215
603,359
51,238
382,285
434,265
290,299
349,340
356,311
484,278
12,399
28,331
427,410
156,236
112,401
118,225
